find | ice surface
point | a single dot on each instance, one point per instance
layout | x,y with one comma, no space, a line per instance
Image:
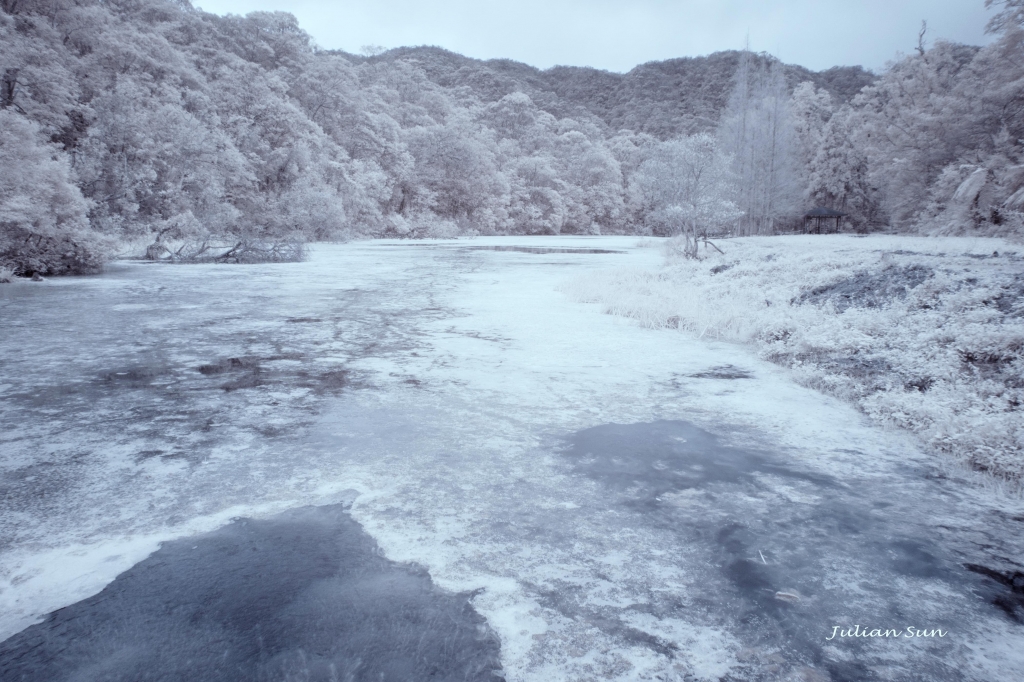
452,387
773,534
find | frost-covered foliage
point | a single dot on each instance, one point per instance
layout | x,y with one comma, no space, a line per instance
934,146
181,129
184,128
758,129
662,99
684,189
44,226
168,125
178,127
838,174
922,334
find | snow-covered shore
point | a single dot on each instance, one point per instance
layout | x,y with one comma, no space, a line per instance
925,334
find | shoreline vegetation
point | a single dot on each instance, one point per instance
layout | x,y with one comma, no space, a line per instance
922,334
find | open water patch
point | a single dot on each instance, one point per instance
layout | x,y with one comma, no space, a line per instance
652,459
305,595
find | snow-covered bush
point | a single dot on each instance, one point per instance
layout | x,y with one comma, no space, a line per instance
44,226
925,334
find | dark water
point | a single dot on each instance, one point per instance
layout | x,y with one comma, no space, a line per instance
303,596
660,457
789,553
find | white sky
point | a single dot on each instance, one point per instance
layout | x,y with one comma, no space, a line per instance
619,34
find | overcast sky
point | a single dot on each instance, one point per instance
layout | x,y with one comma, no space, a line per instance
619,34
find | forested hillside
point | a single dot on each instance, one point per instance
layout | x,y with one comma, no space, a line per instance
127,124
666,99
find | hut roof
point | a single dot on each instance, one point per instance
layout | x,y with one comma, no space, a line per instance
822,212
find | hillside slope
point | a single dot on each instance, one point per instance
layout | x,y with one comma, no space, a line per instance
664,99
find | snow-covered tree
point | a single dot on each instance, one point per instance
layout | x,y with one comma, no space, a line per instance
811,108
1009,14
44,225
685,188
942,134
592,184
838,173
757,129
456,175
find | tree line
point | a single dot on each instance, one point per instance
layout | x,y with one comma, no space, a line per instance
126,122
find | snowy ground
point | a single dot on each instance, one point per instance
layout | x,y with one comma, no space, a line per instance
624,503
925,334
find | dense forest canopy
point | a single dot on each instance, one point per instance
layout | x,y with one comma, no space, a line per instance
127,122
665,99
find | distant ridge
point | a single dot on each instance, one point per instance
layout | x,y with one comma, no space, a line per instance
666,98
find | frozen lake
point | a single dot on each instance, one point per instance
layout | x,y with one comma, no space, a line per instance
408,460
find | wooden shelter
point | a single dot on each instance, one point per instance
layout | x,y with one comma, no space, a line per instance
822,220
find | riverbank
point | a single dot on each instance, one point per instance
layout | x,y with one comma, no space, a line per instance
919,333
